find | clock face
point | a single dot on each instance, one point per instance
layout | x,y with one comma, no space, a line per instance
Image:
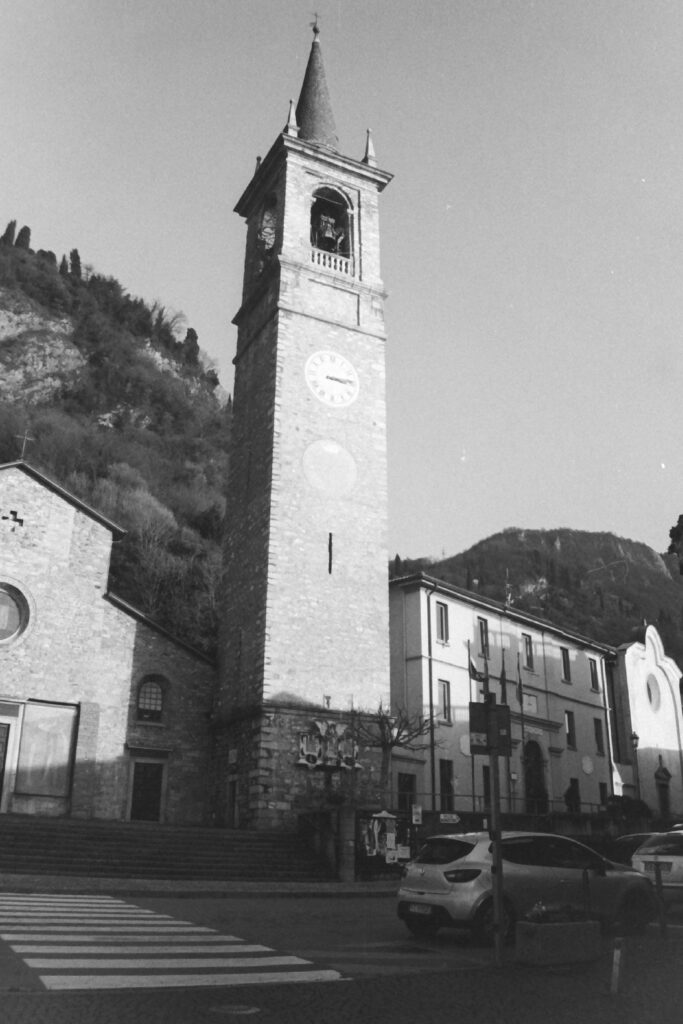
332,379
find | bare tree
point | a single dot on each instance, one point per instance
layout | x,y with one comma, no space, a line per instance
390,730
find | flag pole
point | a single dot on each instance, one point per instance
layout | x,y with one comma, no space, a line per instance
504,700
472,773
520,698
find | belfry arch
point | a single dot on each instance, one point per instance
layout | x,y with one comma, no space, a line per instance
331,222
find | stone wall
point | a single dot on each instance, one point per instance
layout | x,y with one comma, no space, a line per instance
260,753
80,647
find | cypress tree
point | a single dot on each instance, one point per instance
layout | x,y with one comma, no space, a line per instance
75,263
23,238
8,236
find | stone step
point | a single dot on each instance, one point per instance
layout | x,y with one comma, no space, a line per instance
121,849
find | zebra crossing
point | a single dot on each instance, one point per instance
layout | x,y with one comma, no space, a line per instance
101,942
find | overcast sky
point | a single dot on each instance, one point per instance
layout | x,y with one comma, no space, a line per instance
532,238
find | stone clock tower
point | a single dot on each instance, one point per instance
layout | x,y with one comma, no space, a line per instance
305,608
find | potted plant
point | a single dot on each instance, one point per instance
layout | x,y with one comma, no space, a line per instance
557,935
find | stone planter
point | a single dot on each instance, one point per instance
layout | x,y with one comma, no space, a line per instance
563,942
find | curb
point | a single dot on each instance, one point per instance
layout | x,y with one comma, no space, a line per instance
55,884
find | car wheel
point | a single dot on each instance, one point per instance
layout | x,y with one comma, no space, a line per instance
634,914
483,923
422,929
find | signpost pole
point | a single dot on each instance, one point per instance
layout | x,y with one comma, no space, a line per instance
490,734
498,911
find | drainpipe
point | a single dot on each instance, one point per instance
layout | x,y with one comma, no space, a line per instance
432,743
606,712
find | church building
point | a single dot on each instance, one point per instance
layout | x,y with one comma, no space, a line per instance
305,636
102,713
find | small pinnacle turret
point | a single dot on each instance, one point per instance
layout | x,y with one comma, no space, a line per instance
369,157
314,111
291,128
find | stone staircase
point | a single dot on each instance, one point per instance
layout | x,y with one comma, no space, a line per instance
65,846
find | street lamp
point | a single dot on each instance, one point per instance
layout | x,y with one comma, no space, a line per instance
635,740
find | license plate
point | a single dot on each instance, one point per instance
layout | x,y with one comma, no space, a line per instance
664,866
419,908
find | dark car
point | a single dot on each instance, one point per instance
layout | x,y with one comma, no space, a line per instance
622,848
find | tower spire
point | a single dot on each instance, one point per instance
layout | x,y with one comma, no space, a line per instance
314,110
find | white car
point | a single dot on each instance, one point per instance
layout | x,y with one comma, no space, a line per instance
449,884
663,853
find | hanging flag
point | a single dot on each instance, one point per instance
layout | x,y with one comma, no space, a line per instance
503,681
473,670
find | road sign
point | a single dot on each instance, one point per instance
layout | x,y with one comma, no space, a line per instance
490,728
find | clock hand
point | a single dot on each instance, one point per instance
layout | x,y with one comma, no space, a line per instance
338,380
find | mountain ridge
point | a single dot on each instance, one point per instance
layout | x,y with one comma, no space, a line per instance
594,583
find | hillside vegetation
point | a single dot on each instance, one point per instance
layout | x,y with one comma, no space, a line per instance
117,403
113,399
592,583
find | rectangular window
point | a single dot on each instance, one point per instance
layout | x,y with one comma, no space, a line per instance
406,792
599,742
528,651
566,668
593,666
483,637
444,700
446,784
570,729
442,622
603,793
46,749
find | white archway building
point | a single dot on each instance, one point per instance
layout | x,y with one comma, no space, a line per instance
648,724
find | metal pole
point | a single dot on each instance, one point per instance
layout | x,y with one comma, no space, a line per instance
430,674
497,865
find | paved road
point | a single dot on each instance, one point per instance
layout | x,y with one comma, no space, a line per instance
100,942
356,963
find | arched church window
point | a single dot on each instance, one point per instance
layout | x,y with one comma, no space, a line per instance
13,613
151,699
331,222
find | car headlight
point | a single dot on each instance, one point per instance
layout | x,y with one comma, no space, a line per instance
462,875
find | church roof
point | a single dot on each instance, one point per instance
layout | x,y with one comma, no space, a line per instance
314,111
66,495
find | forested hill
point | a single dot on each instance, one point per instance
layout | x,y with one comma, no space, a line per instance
593,583
118,404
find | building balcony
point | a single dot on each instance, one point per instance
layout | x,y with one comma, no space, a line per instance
332,261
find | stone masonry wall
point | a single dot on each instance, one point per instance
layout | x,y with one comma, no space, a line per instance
261,754
80,648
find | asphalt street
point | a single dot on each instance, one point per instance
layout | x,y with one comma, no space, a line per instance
67,958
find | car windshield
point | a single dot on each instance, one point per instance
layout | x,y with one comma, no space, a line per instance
671,843
443,850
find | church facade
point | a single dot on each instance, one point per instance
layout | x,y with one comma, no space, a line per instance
102,714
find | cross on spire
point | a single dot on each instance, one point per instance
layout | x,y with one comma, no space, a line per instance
24,438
